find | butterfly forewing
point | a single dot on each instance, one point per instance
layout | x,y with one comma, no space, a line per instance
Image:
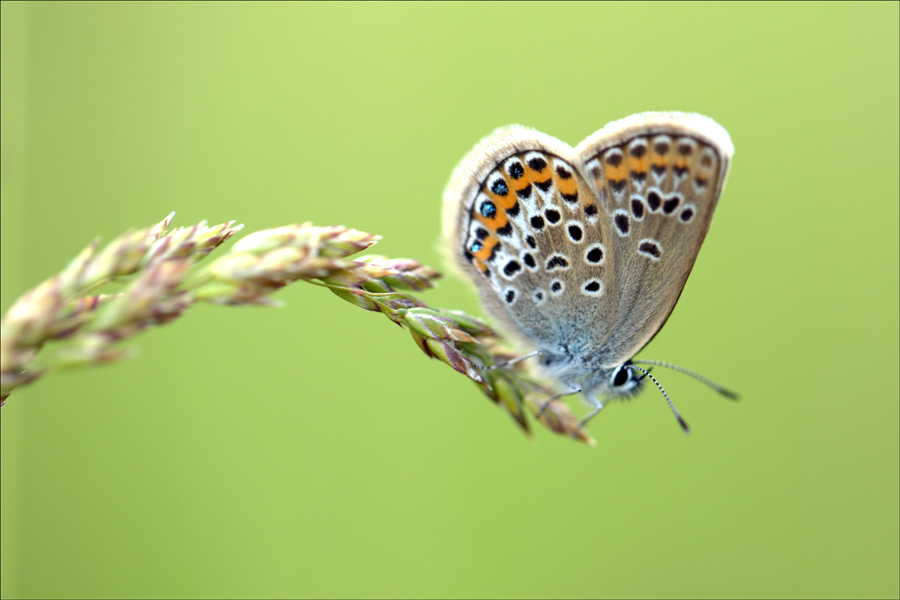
658,177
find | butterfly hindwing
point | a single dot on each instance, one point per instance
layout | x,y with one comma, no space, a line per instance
530,235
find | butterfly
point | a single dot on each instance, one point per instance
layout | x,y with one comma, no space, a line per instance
580,254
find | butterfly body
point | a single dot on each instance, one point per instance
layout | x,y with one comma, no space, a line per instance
582,252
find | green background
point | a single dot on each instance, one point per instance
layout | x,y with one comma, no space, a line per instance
313,450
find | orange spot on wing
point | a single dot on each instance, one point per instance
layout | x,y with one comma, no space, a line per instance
533,175
509,200
496,222
638,165
487,248
566,186
615,173
659,160
540,179
501,203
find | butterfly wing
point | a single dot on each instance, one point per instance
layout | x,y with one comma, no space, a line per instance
658,178
522,223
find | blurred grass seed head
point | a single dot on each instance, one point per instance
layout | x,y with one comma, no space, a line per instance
63,323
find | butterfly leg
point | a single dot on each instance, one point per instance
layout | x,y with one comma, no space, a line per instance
575,390
598,406
510,363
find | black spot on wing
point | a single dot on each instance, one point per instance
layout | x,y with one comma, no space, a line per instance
511,268
537,163
650,248
614,158
556,261
552,215
594,255
637,208
671,204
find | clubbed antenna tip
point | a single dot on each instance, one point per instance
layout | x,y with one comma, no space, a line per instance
729,394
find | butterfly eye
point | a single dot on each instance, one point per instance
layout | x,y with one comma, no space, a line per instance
622,376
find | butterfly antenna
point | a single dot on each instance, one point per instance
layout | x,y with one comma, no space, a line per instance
675,412
725,392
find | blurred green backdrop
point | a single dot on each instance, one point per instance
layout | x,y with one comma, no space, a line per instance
313,450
